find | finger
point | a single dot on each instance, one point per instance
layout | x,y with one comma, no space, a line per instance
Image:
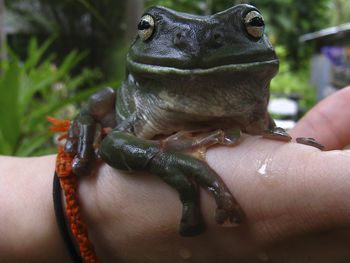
328,122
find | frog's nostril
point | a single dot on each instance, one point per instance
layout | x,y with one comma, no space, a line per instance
217,37
179,39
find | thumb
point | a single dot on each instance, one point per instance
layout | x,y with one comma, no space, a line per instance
328,122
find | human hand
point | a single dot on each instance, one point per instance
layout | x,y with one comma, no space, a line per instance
296,200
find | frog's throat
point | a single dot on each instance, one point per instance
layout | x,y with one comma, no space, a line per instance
137,67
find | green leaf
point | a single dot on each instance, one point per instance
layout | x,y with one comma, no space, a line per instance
36,88
9,114
30,146
38,116
70,61
34,53
5,147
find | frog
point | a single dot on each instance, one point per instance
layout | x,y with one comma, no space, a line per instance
192,82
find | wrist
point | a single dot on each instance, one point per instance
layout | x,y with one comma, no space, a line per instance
28,227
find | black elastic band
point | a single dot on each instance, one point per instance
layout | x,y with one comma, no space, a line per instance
61,222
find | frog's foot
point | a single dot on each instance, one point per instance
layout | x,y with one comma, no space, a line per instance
310,142
191,223
186,141
173,172
84,137
277,133
80,142
85,132
229,217
228,210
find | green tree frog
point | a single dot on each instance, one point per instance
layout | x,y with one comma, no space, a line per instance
191,82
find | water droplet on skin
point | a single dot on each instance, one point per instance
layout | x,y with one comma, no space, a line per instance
185,253
268,175
262,169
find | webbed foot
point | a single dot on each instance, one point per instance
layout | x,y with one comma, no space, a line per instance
186,140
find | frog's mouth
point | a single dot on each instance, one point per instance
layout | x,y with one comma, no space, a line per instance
137,67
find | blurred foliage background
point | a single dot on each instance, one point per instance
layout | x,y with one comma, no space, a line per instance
56,53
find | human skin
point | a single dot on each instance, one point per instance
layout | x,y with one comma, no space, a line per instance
296,200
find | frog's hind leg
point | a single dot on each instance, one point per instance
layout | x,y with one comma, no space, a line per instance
177,167
124,151
191,223
228,210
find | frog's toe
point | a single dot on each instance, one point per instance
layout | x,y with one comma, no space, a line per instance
232,137
81,166
232,217
71,146
187,229
310,142
191,222
278,134
72,138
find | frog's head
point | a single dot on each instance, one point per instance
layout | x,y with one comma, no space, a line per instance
215,66
170,40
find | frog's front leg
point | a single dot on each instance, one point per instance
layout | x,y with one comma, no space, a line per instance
81,139
124,151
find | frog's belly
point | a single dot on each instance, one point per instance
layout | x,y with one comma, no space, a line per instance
151,123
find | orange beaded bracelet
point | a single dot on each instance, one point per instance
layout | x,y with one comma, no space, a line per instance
68,181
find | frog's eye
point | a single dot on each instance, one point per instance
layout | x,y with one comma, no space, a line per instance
145,27
254,23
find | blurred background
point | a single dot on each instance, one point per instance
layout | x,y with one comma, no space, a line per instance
56,53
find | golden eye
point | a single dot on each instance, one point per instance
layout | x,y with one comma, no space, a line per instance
254,23
145,27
